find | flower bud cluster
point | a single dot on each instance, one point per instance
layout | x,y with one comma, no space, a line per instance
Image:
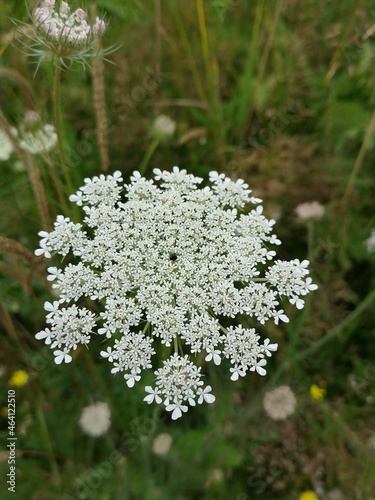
65,33
167,261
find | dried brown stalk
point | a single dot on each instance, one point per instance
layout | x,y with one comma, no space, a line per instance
15,251
14,272
99,106
100,111
23,84
33,172
12,247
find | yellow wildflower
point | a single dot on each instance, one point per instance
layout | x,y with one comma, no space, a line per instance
317,392
19,378
308,495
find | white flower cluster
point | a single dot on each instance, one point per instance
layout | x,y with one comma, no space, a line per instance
95,419
310,210
64,32
370,242
6,146
38,141
163,128
280,403
167,260
32,136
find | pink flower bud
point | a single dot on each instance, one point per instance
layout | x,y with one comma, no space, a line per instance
99,27
81,13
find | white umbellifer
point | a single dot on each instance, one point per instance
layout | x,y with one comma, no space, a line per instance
310,210
163,127
39,141
95,419
370,242
165,260
280,403
6,146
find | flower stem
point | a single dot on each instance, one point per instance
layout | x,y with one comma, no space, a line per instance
60,142
146,327
310,238
147,156
46,439
56,180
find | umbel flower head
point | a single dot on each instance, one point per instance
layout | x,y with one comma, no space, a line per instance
6,146
280,403
35,137
95,419
62,34
166,260
310,210
163,128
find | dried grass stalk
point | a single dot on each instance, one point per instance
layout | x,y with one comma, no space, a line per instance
33,172
27,91
12,247
99,105
15,273
15,251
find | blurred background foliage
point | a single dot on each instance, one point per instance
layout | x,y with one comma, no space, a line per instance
281,94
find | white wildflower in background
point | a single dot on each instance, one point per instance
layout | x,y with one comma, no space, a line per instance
280,403
39,141
31,118
163,128
95,419
370,242
216,476
335,494
6,146
31,136
166,260
310,210
62,33
162,444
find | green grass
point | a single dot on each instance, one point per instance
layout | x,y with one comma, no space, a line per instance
279,93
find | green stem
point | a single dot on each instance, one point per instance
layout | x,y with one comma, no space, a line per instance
146,327
45,438
95,375
55,177
147,157
310,238
60,142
